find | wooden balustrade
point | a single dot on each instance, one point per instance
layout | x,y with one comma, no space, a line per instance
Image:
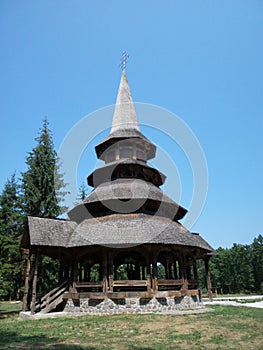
90,286
52,299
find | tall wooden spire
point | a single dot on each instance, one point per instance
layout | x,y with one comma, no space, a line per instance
124,115
125,125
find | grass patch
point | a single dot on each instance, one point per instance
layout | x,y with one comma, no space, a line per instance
225,328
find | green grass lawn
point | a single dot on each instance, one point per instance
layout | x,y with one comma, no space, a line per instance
225,328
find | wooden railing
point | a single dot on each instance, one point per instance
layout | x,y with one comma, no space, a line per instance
52,299
163,284
89,285
129,283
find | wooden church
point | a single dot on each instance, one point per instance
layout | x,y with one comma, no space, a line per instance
123,248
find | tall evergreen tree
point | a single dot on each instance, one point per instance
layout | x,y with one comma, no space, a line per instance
11,228
82,193
42,183
43,191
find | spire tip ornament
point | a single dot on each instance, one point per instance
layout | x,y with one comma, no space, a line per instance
124,59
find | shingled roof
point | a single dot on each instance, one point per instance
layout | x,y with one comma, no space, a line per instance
126,207
116,230
124,123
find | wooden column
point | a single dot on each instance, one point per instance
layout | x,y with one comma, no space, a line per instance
170,270
155,274
80,272
208,279
27,273
34,287
148,271
110,259
175,271
183,273
104,273
143,271
167,269
86,279
195,271
73,277
115,273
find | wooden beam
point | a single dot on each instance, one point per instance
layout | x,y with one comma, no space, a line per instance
155,274
130,283
110,259
34,287
122,295
104,273
195,271
27,273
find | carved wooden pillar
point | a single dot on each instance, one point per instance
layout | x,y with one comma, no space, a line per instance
80,272
148,273
208,279
195,271
110,259
155,274
104,273
86,273
183,273
167,269
27,273
143,271
73,277
34,286
175,271
170,270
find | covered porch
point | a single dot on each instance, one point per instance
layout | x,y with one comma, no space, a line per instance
98,273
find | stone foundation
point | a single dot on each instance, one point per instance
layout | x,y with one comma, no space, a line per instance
131,305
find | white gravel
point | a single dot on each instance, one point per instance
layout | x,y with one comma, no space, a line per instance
238,301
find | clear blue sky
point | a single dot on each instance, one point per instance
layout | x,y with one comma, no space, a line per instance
200,59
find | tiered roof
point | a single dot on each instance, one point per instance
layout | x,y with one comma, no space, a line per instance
126,206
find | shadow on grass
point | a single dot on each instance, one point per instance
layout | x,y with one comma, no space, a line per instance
12,340
6,314
9,310
141,348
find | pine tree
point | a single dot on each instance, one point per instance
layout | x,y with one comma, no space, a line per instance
82,193
43,191
42,183
11,228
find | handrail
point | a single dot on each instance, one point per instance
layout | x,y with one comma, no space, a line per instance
89,284
51,296
170,282
124,283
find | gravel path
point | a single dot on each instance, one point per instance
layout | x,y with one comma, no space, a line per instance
238,301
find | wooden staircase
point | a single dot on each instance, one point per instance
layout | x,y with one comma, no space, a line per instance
52,299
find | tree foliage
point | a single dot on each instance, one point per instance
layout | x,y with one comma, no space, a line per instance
39,193
11,228
83,192
43,190
238,269
42,183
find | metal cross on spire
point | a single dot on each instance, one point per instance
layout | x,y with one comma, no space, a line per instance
124,59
